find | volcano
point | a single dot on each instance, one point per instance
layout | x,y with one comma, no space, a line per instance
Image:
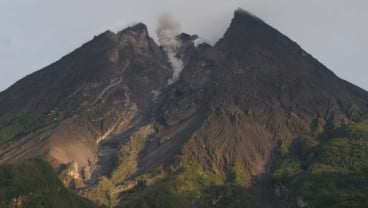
115,130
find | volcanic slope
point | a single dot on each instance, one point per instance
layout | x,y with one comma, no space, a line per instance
107,114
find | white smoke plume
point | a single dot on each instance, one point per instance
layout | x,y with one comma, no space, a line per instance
167,31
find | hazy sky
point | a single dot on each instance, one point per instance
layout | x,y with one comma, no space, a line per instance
35,33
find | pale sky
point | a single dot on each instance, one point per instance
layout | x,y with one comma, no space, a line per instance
35,33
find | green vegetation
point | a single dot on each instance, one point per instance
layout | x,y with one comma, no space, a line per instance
13,127
101,193
326,170
164,196
33,183
188,183
130,153
189,186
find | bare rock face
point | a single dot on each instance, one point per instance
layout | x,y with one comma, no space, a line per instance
86,97
107,105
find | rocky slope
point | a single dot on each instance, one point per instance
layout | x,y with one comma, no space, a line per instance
87,96
116,131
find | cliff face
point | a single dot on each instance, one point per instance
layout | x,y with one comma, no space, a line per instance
108,108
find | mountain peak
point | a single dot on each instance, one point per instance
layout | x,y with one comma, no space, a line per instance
139,27
137,30
247,26
186,37
108,33
249,33
137,37
241,15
